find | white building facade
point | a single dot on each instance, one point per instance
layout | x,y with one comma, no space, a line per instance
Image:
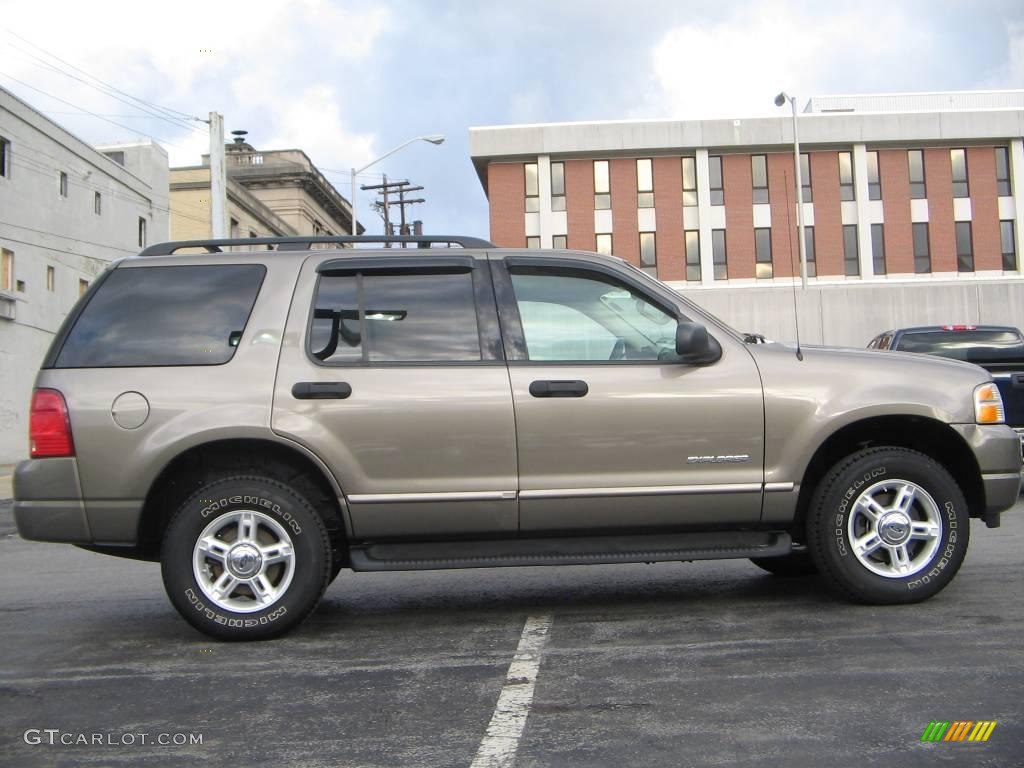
67,210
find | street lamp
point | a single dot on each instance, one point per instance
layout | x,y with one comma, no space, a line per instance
780,101
435,138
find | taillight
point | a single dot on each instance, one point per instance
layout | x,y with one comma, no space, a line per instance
959,327
49,428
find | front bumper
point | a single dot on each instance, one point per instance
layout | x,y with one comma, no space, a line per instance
997,449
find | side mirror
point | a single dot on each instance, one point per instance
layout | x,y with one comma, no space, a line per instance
694,346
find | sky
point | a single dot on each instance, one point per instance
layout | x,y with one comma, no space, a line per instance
348,81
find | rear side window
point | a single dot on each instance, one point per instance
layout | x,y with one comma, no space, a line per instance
960,344
390,317
153,316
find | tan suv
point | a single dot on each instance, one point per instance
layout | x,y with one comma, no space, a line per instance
257,420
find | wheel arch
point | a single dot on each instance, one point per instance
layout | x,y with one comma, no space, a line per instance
931,437
188,470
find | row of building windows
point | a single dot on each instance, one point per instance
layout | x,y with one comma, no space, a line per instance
63,187
764,265
759,179
10,283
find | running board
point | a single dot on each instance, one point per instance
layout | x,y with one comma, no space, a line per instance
569,551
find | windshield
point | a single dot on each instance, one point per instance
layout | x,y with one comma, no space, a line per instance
957,344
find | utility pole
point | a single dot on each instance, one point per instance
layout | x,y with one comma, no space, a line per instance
386,189
218,178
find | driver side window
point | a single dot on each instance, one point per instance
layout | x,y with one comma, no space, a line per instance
577,315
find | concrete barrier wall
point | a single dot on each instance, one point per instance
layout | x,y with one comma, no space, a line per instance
851,315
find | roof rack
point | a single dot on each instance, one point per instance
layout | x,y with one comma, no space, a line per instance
303,243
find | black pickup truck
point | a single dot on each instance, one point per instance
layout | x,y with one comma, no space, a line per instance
999,349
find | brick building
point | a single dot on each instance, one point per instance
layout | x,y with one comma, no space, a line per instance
897,189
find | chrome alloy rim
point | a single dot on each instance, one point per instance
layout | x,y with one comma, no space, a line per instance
894,528
244,561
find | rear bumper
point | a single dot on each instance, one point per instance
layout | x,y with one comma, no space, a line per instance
49,506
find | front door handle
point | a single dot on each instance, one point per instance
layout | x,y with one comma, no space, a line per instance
321,390
559,388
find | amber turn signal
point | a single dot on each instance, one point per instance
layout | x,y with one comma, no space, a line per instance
988,405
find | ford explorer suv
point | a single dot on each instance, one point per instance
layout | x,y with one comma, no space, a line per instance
262,414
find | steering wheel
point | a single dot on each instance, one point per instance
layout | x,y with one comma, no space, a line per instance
619,350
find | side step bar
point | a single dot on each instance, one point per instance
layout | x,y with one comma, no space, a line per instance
569,551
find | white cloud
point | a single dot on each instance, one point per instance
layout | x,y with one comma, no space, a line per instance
1011,73
734,67
259,69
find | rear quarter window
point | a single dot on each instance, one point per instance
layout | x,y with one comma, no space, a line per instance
160,316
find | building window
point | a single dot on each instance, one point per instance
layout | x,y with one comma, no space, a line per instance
878,249
644,184
846,176
5,157
718,255
922,253
558,186
1006,235
51,279
533,242
560,241
964,247
812,260
532,188
233,228
759,174
83,286
97,203
874,180
715,180
602,190
6,269
20,285
648,253
689,181
692,238
958,159
1003,172
805,178
915,160
142,232
604,244
851,263
62,184
253,233
763,253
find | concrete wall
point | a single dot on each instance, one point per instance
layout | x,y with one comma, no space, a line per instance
852,314
46,229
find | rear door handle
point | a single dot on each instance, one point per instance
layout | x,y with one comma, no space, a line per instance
321,390
559,388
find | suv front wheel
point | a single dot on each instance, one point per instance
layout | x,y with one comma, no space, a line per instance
245,558
888,525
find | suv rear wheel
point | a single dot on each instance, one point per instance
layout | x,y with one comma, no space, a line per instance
888,525
245,558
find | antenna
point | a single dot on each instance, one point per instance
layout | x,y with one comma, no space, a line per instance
789,232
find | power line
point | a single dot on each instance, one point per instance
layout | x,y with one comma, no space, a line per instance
65,101
65,237
107,91
167,110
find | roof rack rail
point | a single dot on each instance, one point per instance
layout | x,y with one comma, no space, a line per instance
303,243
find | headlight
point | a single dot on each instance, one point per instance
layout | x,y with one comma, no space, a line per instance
988,405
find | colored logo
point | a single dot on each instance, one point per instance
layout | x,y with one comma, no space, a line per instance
958,730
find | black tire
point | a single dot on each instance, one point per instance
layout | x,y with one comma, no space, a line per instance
931,559
276,509
789,566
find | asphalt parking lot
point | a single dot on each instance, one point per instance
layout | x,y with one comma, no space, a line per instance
713,663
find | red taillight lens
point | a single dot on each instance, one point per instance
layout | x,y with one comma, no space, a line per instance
49,428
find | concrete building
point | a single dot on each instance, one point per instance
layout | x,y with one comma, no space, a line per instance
278,192
66,210
907,198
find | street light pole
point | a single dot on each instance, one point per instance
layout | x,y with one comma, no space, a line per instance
433,139
781,99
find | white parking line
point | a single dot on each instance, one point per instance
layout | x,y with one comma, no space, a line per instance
498,748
